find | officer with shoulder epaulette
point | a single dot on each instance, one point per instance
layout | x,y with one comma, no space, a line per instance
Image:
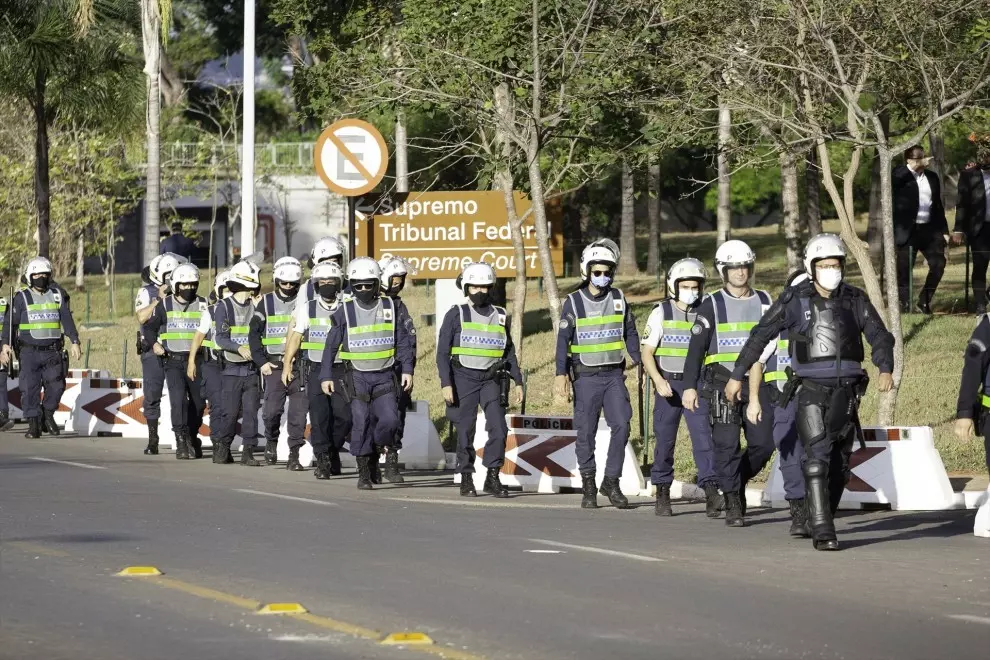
204,360
172,329
476,360
723,324
974,389
39,319
153,366
365,335
269,329
5,422
240,389
595,326
329,416
394,271
826,319
668,333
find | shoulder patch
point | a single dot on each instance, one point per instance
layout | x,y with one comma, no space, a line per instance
563,324
696,329
501,319
618,305
387,313
648,331
57,297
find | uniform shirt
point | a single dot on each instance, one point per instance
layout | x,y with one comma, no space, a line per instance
701,337
335,339
565,335
787,313
403,317
225,343
451,327
975,363
15,308
143,300
924,198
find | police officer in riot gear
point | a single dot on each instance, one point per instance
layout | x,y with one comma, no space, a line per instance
172,329
209,366
724,321
668,332
595,326
364,333
240,388
330,417
826,319
974,389
474,356
5,421
39,319
267,337
394,271
153,366
327,249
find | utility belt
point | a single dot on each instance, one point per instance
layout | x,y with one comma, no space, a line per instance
579,370
349,393
44,348
670,375
714,378
480,374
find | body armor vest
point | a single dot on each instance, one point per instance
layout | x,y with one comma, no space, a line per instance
735,319
675,338
831,342
278,317
181,323
239,320
481,342
41,320
315,337
599,326
775,371
369,340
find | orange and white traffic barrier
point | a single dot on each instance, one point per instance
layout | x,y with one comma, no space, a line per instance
65,405
898,466
109,406
540,455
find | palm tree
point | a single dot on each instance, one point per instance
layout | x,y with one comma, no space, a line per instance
156,15
67,58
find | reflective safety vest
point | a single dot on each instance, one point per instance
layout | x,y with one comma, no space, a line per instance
41,319
278,317
775,370
317,329
598,328
735,319
181,323
481,342
3,315
210,343
369,340
239,320
673,347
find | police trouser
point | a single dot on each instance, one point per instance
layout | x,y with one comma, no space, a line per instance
185,396
473,388
405,402
212,389
593,392
667,412
41,367
736,465
275,395
241,395
374,412
4,404
153,383
329,416
790,450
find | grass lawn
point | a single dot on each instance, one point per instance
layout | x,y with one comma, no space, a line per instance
928,391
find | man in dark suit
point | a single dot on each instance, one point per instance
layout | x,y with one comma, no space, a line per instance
919,225
178,243
973,217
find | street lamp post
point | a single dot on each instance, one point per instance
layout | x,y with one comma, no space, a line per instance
247,147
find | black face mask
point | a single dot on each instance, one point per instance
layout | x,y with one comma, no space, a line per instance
287,293
237,287
186,292
41,282
480,298
327,291
366,295
396,289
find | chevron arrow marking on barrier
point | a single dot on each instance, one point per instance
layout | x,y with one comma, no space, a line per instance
14,397
856,484
538,455
100,408
134,410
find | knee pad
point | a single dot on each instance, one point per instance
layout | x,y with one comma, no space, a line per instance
814,468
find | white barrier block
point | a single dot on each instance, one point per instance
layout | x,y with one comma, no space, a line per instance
981,526
109,406
540,455
64,413
899,466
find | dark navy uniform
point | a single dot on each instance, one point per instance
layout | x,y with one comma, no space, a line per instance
212,376
473,343
974,390
826,351
40,321
152,366
4,404
240,388
402,317
178,244
785,435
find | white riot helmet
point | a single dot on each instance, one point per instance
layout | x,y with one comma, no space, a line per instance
394,267
733,254
245,273
363,269
163,265
477,274
327,271
327,248
598,253
37,266
184,274
220,282
685,269
797,278
823,246
287,269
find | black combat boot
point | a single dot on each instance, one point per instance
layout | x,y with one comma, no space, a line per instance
293,464
364,472
589,500
195,445
322,469
663,507
6,423
335,467
34,428
220,452
247,456
467,485
392,473
181,447
734,511
271,452
374,468
742,499
819,507
714,503
50,425
493,485
799,519
610,489
152,448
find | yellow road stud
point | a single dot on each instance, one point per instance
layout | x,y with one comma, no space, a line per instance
140,571
282,608
407,639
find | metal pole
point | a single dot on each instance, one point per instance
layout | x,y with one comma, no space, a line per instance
87,307
247,144
123,366
86,362
525,388
352,229
966,281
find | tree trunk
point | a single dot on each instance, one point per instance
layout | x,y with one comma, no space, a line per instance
723,225
653,214
574,212
151,27
42,185
627,231
791,209
874,228
171,82
813,193
936,143
80,255
401,154
888,401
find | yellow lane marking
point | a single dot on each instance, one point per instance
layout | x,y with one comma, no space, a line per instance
34,548
338,626
205,592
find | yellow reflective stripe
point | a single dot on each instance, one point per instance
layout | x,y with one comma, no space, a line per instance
42,306
239,329
480,352
986,401
177,335
735,327
273,342
323,322
40,326
600,320
209,344
598,348
678,325
671,352
773,376
378,327
280,318
783,344
482,327
183,315
377,355
312,346
721,357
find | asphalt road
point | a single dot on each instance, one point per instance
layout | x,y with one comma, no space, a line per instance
530,577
